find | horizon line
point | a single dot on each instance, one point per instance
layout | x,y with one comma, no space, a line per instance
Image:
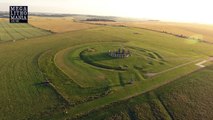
139,19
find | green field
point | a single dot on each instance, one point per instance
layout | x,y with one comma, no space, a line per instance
14,31
67,75
187,98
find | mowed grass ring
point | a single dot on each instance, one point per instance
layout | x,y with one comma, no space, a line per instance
94,66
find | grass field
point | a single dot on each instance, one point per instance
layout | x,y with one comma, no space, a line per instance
66,75
11,32
187,98
58,25
197,31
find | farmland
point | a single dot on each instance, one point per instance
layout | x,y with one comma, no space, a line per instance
11,32
69,75
54,24
2,19
186,98
197,31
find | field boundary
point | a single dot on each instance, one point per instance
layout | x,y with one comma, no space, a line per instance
46,80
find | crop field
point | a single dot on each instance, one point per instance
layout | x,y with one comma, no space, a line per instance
196,31
58,25
2,19
12,32
76,74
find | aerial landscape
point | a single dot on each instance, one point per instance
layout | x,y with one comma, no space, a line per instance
65,66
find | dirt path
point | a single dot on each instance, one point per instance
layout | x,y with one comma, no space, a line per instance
201,64
154,74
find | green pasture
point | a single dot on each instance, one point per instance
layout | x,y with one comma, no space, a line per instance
76,87
185,98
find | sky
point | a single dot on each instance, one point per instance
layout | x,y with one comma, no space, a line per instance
196,11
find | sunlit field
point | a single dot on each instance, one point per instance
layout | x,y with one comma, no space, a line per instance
195,31
74,70
58,25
